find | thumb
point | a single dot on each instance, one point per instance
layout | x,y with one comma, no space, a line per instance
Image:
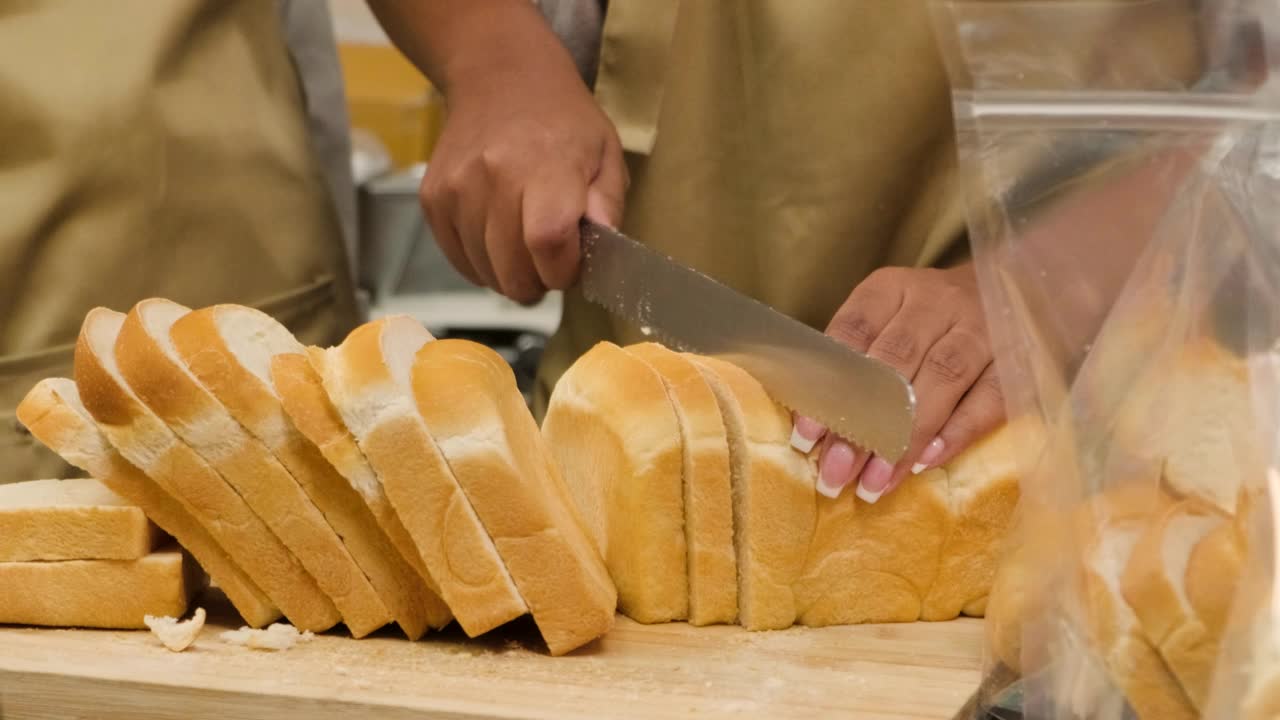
608,190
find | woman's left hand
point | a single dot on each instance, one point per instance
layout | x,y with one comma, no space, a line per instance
929,325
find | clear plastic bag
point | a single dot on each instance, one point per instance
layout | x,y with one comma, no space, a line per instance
1113,153
1247,684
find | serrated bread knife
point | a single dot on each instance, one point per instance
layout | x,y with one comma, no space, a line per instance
858,397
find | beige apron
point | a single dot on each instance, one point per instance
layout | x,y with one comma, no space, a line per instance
152,149
786,148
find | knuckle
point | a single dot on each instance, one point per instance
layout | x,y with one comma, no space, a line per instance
496,163
897,348
432,191
853,328
547,237
452,180
990,384
951,362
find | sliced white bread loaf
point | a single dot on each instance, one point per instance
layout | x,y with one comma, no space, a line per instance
708,494
1154,585
368,379
229,349
116,594
468,398
774,501
155,371
150,445
52,411
1110,530
613,432
79,519
302,393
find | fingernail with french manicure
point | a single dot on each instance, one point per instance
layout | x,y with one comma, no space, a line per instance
836,469
805,434
931,453
875,479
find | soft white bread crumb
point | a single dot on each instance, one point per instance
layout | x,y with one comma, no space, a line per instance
175,634
276,637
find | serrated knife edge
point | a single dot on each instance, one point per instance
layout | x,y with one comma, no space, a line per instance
858,397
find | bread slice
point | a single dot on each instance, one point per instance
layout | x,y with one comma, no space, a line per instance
52,411
70,520
1198,415
368,380
982,493
229,349
98,593
1112,529
144,440
1154,585
154,369
614,434
1213,573
468,398
708,495
774,501
302,394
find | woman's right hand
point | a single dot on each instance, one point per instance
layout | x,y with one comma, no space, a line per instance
525,154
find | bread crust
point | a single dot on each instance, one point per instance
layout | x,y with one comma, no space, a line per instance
209,342
1168,621
145,440
449,536
775,504
708,495
468,398
75,519
54,415
982,494
302,393
1109,527
174,394
69,593
613,432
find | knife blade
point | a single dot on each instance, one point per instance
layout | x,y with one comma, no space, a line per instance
857,397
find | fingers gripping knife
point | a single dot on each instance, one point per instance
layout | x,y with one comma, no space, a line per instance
859,398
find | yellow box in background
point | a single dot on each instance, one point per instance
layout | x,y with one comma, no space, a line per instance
388,97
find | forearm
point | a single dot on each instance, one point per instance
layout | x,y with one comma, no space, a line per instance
458,43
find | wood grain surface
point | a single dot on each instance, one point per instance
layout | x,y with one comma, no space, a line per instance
918,670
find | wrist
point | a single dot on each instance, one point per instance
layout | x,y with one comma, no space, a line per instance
504,43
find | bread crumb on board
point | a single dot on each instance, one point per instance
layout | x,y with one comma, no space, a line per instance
277,637
176,635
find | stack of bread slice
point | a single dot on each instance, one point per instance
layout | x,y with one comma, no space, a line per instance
390,479
682,468
74,553
1156,553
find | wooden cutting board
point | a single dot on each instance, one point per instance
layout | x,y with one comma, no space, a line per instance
918,670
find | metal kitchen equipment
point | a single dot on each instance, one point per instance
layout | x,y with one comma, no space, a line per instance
403,270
